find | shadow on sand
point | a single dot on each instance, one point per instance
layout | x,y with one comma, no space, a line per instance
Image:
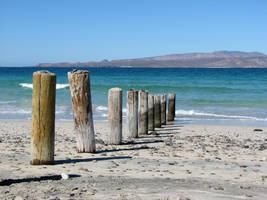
142,142
8,182
167,132
124,149
151,136
58,162
168,129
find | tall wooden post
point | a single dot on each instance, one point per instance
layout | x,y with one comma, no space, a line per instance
151,112
115,116
163,108
157,111
132,114
43,118
82,110
143,113
171,106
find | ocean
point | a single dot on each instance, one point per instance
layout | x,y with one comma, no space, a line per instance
203,96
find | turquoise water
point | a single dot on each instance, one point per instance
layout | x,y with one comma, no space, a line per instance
235,96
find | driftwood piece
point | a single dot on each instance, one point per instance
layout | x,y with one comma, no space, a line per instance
157,111
151,112
43,118
143,113
82,110
171,106
163,109
132,114
115,116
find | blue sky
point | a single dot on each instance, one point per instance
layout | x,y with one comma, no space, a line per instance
36,31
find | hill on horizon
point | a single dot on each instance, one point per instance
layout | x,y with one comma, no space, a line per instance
217,59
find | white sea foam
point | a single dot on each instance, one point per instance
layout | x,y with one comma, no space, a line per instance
23,111
26,85
61,86
104,108
65,120
101,108
27,110
30,85
20,111
196,113
7,102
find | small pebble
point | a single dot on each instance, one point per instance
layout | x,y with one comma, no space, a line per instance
188,171
219,188
64,176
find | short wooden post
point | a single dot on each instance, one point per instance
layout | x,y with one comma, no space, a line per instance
151,112
171,106
163,108
157,111
143,113
115,116
132,113
82,110
43,118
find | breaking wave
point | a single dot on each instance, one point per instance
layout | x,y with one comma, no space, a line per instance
101,108
30,85
196,113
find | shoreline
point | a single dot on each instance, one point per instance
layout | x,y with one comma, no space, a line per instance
176,161
241,123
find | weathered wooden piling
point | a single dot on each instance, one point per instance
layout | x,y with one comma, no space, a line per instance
82,110
115,116
43,118
171,106
151,112
163,109
143,113
132,114
157,111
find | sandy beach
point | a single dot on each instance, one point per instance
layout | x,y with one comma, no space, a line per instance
174,162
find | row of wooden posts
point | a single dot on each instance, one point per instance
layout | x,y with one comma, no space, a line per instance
145,112
151,115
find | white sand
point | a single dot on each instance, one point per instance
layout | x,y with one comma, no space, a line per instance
178,162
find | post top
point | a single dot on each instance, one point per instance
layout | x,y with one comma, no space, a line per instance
172,93
76,71
115,89
132,90
143,91
43,72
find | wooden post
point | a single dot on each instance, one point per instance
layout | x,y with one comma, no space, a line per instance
132,113
171,106
157,111
43,118
82,110
151,112
143,113
163,108
115,116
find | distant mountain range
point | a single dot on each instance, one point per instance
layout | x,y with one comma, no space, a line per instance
217,59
